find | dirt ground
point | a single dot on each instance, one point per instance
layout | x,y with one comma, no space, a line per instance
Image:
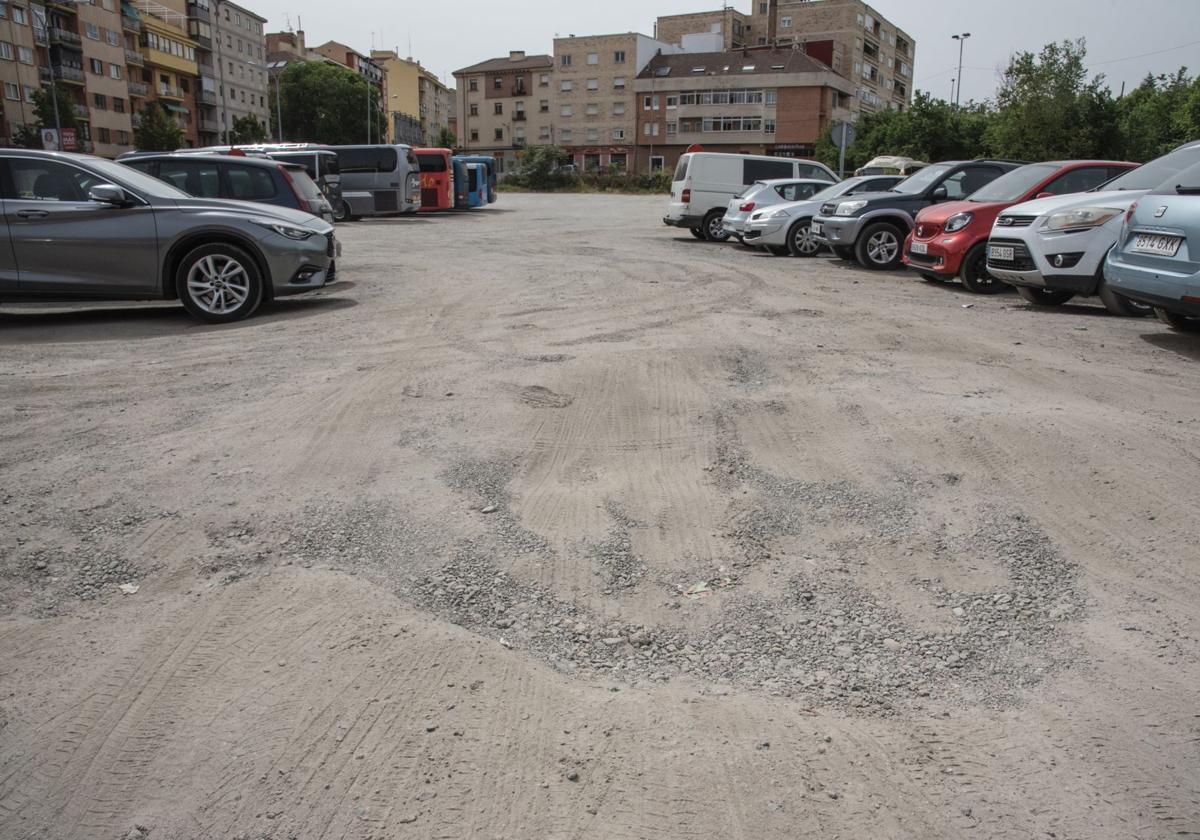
553,522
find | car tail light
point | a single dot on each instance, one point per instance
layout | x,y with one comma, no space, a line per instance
747,207
1129,212
686,197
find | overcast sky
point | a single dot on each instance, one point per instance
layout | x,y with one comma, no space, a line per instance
1125,39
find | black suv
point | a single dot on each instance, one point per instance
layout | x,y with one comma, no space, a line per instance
871,227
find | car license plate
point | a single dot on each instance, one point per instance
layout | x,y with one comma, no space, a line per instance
1001,252
816,228
920,248
1156,243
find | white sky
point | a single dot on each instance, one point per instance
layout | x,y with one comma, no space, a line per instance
1120,33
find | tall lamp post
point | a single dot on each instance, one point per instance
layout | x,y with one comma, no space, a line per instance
962,39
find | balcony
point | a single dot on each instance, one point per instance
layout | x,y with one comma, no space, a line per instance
130,24
134,57
519,116
62,36
168,92
44,74
139,89
207,125
204,41
68,74
206,97
41,36
82,112
198,12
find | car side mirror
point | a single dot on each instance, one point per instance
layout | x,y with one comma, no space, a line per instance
108,194
940,194
1045,195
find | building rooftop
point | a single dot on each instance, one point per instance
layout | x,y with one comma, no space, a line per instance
752,61
507,63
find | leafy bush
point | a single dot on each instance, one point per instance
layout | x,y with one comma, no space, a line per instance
540,170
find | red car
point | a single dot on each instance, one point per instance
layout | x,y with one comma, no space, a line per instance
950,240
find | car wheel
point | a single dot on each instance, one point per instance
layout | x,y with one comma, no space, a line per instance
878,247
697,232
843,252
219,283
1175,321
1044,297
974,274
800,240
714,228
341,211
1118,304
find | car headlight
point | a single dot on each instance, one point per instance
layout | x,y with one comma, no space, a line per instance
849,208
958,221
290,231
779,214
1080,217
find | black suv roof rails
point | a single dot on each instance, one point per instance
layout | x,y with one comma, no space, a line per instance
1000,160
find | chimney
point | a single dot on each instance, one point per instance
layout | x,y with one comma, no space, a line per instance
772,24
516,55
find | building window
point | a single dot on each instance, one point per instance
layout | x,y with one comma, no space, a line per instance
499,134
567,111
619,57
18,15
97,65
473,84
566,61
544,80
6,50
92,31
619,83
102,134
113,38
24,54
498,82
567,86
672,129
593,135
650,103
565,135
12,91
544,106
114,71
618,134
785,22
498,108
99,100
474,109
593,58
474,135
29,89
618,108
118,105
672,103
593,84
768,126
592,109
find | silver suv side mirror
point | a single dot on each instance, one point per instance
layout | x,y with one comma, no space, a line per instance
108,194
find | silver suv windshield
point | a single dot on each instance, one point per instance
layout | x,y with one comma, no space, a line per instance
920,182
1156,172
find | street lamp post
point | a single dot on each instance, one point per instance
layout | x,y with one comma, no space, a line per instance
962,39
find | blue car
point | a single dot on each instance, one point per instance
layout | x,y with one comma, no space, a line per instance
1157,257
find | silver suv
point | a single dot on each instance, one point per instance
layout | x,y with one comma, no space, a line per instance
85,228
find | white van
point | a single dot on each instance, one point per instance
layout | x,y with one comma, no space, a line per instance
705,182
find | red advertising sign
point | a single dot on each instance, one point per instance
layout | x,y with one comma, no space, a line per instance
68,139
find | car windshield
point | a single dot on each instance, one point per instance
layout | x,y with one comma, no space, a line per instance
1155,173
130,177
837,190
1014,185
922,180
1186,182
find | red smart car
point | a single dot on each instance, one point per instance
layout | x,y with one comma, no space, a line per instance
950,240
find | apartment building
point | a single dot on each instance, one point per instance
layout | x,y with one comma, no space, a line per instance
505,104
231,57
729,26
107,110
592,100
436,103
762,101
170,68
22,37
403,104
867,48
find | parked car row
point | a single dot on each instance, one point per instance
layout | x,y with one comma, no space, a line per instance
1125,233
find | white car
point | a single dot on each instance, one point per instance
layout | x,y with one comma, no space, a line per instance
705,182
1053,249
784,228
762,194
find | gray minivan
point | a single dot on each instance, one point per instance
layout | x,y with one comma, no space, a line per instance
378,180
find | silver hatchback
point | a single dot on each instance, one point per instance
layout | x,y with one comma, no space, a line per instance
86,228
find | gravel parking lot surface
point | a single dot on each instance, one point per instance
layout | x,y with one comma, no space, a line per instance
550,521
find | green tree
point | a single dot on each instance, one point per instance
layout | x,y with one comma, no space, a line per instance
1047,108
43,106
247,129
27,137
1158,115
325,103
157,132
538,168
446,139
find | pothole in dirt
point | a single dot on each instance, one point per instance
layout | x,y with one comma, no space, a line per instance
537,396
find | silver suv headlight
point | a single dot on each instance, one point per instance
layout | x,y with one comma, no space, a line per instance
849,208
1080,217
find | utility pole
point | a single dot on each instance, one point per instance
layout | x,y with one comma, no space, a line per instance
279,101
962,39
216,31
